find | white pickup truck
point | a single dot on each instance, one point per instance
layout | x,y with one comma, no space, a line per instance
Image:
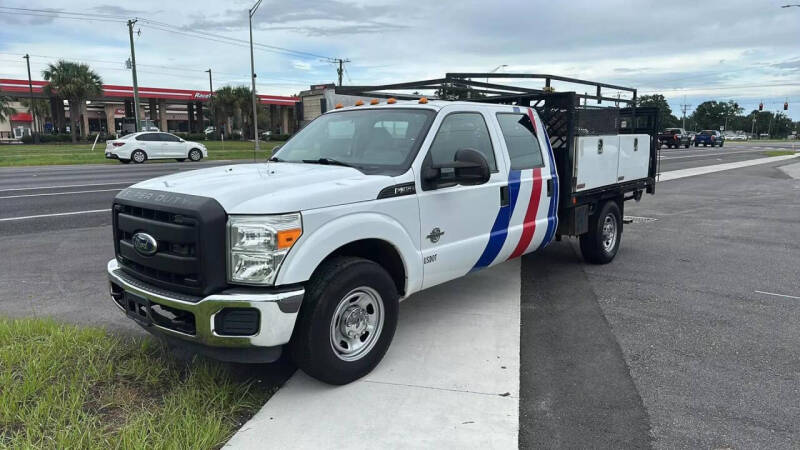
313,249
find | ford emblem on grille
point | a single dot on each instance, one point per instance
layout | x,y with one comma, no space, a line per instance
144,244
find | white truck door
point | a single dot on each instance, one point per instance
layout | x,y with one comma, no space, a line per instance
456,222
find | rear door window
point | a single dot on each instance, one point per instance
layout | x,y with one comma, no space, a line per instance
521,141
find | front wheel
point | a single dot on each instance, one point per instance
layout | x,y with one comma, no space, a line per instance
601,243
346,322
195,155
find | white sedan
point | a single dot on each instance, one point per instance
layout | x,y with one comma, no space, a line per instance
139,147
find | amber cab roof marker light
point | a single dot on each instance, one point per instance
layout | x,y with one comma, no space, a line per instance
339,106
423,100
359,102
391,101
374,101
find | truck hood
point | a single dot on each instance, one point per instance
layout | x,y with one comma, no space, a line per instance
269,188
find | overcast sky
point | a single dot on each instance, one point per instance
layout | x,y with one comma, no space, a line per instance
743,50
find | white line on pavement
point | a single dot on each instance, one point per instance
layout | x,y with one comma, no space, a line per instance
36,188
59,193
683,173
665,158
778,295
11,219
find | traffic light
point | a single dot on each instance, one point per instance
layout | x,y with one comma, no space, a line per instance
785,106
761,106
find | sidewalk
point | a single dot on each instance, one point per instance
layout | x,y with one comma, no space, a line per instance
449,380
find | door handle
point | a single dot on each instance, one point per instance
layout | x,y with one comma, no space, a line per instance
549,187
505,199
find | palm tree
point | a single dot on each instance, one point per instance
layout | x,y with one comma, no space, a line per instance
76,83
5,109
225,104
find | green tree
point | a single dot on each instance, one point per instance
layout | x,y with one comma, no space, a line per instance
711,115
76,83
665,116
40,108
5,108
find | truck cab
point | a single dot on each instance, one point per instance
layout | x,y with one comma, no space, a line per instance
312,250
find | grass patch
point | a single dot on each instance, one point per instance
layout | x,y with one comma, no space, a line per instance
779,152
63,386
46,154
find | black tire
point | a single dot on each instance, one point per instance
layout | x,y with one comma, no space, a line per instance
125,161
594,245
696,144
721,144
195,155
180,159
138,156
312,347
686,146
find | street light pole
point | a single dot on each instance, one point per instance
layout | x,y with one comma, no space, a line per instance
133,70
496,69
211,101
253,79
32,108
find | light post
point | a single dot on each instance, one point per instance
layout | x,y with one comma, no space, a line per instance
253,79
211,102
496,69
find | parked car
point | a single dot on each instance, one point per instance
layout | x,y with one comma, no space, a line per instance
674,138
139,147
363,207
709,137
737,137
209,130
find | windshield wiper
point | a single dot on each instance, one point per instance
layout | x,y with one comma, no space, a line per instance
329,162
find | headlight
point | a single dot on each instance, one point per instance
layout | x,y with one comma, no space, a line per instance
257,246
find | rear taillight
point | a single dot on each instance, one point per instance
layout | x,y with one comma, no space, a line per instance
713,137
117,144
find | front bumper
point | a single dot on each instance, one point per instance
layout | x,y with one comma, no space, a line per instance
276,312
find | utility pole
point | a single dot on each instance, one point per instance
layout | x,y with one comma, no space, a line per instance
684,107
257,148
133,70
211,101
340,69
30,92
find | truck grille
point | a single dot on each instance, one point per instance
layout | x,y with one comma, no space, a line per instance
189,231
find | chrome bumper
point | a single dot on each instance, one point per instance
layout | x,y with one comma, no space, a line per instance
278,311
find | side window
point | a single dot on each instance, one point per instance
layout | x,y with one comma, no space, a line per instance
149,137
520,136
462,130
170,137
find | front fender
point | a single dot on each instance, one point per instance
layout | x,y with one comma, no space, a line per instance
311,249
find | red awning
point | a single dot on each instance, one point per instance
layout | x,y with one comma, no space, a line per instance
21,117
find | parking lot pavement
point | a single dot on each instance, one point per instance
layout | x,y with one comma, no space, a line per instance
449,380
715,361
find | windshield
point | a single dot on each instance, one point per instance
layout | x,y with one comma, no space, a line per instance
381,141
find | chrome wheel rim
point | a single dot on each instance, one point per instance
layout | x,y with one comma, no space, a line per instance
609,232
138,157
357,323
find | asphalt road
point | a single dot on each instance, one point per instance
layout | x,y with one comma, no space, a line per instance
688,339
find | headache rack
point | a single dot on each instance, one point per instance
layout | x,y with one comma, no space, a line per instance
567,115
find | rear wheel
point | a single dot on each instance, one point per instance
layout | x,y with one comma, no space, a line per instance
195,155
138,156
346,322
601,243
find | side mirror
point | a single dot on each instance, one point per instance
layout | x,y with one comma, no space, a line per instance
182,140
469,168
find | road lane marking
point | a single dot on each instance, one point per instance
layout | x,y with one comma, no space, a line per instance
11,219
666,158
702,170
778,295
59,193
36,188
